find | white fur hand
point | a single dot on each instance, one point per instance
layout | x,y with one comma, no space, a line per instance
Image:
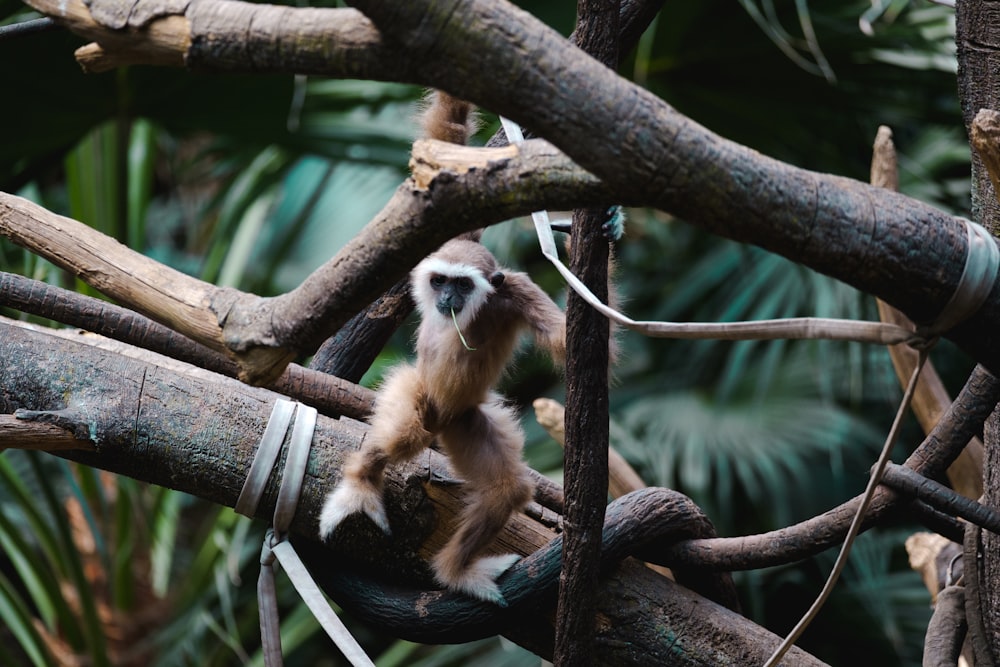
347,499
479,580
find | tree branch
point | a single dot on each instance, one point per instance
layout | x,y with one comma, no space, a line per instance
330,395
263,335
905,252
160,424
636,143
939,449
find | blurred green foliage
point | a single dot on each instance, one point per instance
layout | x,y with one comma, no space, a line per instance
253,181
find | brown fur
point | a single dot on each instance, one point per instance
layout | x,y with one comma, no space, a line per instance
448,393
448,118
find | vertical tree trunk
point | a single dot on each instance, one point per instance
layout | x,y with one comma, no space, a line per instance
978,41
586,418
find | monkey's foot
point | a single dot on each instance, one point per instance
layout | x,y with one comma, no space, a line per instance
348,498
479,579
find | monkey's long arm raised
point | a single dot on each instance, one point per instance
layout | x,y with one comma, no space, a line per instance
539,312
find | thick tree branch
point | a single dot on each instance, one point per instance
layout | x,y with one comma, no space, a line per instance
33,377
880,242
909,254
263,335
159,421
225,36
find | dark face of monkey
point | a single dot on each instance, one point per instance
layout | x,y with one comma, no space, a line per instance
451,292
459,278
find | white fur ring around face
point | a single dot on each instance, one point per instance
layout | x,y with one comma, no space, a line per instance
347,499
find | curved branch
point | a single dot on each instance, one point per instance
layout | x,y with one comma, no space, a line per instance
641,523
963,420
263,335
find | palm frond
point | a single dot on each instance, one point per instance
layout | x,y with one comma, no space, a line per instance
769,448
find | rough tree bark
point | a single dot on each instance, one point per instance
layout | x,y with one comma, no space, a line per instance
158,420
641,151
586,419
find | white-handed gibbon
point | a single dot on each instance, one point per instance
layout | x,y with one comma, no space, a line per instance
472,314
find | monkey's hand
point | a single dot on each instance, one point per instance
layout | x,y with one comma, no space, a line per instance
478,580
614,227
350,497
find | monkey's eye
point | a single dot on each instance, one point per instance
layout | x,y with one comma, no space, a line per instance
437,282
464,285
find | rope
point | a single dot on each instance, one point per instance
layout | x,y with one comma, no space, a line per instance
276,546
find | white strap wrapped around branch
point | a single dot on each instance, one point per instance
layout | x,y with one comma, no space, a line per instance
276,545
982,263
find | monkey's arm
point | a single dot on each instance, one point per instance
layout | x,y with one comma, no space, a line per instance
539,313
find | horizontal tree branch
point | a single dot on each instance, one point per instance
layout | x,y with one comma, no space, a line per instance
905,252
330,395
160,423
262,335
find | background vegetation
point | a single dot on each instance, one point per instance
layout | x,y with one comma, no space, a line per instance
255,181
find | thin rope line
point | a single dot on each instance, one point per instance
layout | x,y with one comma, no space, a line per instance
859,516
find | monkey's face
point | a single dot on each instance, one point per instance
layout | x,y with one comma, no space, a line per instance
447,283
451,292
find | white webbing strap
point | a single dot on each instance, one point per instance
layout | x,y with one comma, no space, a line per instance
982,263
276,546
263,460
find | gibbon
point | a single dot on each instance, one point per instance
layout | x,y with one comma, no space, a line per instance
472,314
